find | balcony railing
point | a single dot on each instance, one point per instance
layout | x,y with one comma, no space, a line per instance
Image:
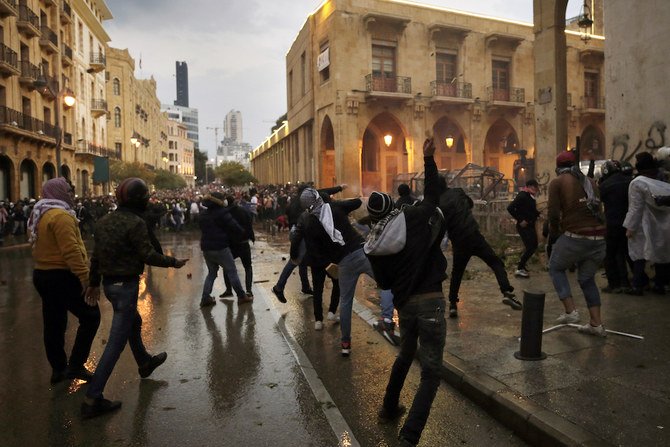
452,89
48,39
53,87
14,118
66,54
84,147
8,8
98,62
512,94
390,84
98,107
29,72
65,13
28,22
594,102
9,61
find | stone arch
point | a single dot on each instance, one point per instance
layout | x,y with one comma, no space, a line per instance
65,172
28,179
380,163
85,183
501,147
6,177
78,183
48,171
328,176
454,157
592,143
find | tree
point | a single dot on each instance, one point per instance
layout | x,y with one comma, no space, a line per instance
232,173
168,180
120,170
199,162
279,122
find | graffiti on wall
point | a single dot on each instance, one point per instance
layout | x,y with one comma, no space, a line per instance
621,147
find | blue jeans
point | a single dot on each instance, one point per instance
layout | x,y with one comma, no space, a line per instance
588,255
126,328
386,304
422,320
221,258
350,268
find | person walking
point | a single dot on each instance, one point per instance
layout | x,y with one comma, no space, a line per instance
240,248
61,278
574,210
122,248
414,274
524,209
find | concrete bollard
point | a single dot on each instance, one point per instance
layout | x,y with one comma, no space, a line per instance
531,327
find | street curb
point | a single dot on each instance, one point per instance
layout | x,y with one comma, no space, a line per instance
532,422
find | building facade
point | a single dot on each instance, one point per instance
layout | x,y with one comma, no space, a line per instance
181,70
51,50
232,126
180,152
188,116
368,81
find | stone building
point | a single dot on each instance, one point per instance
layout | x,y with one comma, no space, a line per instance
138,130
50,50
368,80
180,152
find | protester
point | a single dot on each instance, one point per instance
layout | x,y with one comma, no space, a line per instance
524,209
406,197
61,278
239,246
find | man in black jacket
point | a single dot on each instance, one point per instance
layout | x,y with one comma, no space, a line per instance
415,276
467,241
239,246
524,209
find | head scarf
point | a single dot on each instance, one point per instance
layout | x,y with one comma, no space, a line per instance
311,200
56,193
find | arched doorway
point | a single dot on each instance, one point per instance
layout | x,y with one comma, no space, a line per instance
328,176
449,145
65,172
28,177
384,154
48,172
592,144
77,186
85,188
501,148
6,172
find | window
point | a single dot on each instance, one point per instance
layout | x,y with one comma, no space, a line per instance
500,70
383,68
445,75
116,87
118,147
80,36
323,62
303,70
290,88
117,117
591,90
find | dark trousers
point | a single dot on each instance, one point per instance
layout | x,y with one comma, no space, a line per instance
242,251
662,275
422,321
529,238
464,249
616,257
318,281
61,292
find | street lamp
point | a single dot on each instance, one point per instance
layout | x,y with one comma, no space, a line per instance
585,22
43,87
449,141
388,139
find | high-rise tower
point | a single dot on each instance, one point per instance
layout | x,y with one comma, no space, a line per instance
182,84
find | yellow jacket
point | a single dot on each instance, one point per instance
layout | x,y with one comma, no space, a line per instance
59,244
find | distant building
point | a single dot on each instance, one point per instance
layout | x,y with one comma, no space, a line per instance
232,125
230,150
186,115
182,84
180,152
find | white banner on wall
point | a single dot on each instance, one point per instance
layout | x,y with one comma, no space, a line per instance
323,61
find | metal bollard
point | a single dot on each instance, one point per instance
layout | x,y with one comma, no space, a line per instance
531,327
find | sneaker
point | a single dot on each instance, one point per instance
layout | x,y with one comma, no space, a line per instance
244,299
279,294
334,318
80,373
153,363
453,310
308,291
209,301
522,273
565,318
593,330
226,293
511,301
611,289
346,348
387,329
99,407
384,415
318,325
250,293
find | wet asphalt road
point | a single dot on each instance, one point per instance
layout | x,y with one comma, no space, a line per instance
233,375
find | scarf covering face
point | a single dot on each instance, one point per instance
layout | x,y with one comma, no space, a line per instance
311,200
56,193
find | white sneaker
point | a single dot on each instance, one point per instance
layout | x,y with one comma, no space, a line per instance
318,325
522,272
572,317
593,330
334,318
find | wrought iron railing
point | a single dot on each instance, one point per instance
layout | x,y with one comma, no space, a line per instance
11,3
29,70
27,15
66,8
512,94
98,104
452,89
86,147
98,58
594,102
67,51
49,34
389,84
9,56
15,118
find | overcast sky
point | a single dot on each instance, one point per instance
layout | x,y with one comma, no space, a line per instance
235,51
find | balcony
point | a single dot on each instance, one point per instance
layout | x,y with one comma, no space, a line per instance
84,147
97,63
388,87
28,22
48,40
512,99
9,61
52,89
98,107
15,122
451,93
593,105
29,73
65,13
49,2
8,8
66,55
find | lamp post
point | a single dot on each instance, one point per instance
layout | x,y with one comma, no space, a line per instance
449,141
42,86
